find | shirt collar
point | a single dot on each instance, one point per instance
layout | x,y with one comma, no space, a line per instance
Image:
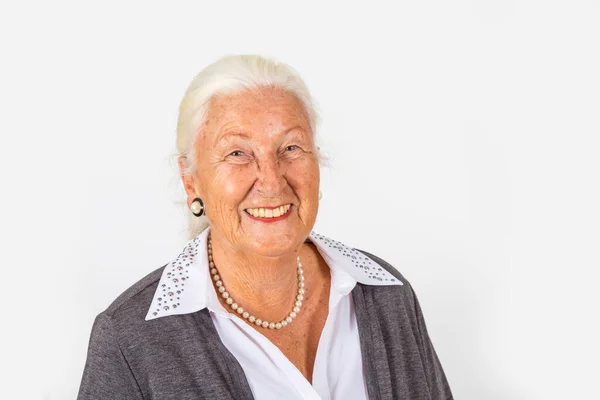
185,286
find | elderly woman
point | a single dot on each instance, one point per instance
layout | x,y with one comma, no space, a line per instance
256,305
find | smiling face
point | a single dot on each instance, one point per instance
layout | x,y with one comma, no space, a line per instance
257,171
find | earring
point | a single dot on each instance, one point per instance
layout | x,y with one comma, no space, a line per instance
320,195
197,207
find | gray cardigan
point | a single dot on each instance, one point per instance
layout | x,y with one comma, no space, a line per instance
181,357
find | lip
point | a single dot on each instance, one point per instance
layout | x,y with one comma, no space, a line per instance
270,220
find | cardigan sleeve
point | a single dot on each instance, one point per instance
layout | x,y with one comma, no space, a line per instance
106,374
439,388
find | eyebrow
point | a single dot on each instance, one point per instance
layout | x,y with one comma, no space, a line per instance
230,132
296,130
225,135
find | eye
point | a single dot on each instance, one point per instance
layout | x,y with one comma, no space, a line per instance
239,157
291,148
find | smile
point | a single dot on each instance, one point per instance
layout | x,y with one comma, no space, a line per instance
270,213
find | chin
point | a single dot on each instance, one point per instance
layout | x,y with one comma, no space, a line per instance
274,245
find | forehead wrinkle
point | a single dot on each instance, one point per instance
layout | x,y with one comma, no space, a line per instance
243,119
234,131
228,132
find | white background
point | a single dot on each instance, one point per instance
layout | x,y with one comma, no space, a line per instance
463,139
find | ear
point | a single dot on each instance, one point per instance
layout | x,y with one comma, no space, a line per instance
188,180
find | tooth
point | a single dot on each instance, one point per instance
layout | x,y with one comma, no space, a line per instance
255,212
269,213
281,210
261,212
276,212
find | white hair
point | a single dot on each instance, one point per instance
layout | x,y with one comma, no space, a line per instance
228,75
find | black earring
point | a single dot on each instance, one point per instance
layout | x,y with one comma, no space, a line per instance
197,207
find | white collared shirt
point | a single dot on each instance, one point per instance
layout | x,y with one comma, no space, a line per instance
186,287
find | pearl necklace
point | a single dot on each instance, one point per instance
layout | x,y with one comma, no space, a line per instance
245,314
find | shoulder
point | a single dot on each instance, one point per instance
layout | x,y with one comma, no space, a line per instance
396,304
397,293
120,326
131,306
385,265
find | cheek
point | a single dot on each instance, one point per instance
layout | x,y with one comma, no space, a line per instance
232,193
229,187
304,178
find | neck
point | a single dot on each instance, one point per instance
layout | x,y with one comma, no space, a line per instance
263,285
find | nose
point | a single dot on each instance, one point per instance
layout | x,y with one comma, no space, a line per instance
270,176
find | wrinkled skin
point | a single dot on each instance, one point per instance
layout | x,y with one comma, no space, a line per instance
256,149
